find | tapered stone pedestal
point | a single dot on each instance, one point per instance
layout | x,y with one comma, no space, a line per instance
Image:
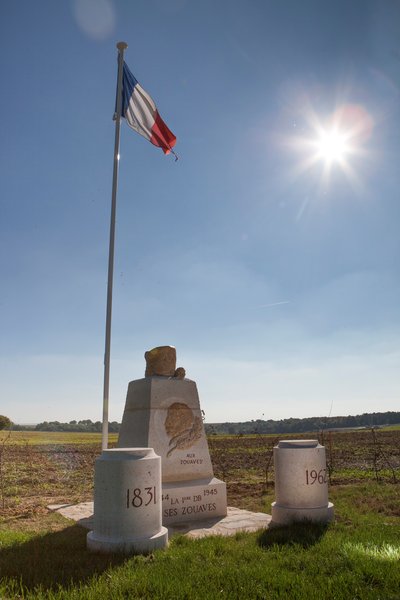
164,413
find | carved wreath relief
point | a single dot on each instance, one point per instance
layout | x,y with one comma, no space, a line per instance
182,427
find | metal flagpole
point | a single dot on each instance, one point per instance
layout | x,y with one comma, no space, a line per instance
104,441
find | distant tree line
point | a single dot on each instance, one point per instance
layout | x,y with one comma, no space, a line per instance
304,425
259,426
85,426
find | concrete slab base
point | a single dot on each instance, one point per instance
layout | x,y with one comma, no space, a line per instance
283,515
139,545
235,521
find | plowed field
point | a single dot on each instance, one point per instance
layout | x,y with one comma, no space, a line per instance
34,475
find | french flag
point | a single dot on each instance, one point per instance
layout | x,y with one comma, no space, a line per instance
142,115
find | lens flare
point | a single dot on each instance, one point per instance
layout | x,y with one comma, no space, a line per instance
96,18
332,146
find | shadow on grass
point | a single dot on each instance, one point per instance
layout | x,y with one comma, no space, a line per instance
304,534
54,559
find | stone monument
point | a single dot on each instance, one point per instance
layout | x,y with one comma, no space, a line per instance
127,502
301,483
162,411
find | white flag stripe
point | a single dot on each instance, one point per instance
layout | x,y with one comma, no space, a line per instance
140,112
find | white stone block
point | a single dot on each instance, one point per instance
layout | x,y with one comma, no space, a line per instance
164,413
301,482
127,502
193,500
284,515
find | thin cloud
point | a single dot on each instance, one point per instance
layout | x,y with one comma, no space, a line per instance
274,304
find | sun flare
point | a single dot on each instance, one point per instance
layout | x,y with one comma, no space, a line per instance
332,146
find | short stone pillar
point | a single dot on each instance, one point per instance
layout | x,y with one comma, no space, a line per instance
127,502
301,483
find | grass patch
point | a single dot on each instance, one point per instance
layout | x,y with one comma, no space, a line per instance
391,427
357,557
302,561
41,438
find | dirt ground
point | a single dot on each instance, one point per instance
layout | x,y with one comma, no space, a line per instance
33,476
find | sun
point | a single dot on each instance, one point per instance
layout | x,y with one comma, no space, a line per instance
332,146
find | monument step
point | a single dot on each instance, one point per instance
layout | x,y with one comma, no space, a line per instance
236,520
193,500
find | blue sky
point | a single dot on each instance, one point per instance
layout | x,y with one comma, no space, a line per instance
275,276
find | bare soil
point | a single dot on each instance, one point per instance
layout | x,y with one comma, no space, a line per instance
33,476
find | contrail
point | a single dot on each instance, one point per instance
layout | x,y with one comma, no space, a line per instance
274,304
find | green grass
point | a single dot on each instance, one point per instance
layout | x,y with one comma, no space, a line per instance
356,557
391,428
38,438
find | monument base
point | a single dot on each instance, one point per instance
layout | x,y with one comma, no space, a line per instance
282,515
139,545
193,500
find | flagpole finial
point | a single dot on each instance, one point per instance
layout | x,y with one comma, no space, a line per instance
122,46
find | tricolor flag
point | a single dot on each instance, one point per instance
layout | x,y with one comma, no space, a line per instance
142,115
